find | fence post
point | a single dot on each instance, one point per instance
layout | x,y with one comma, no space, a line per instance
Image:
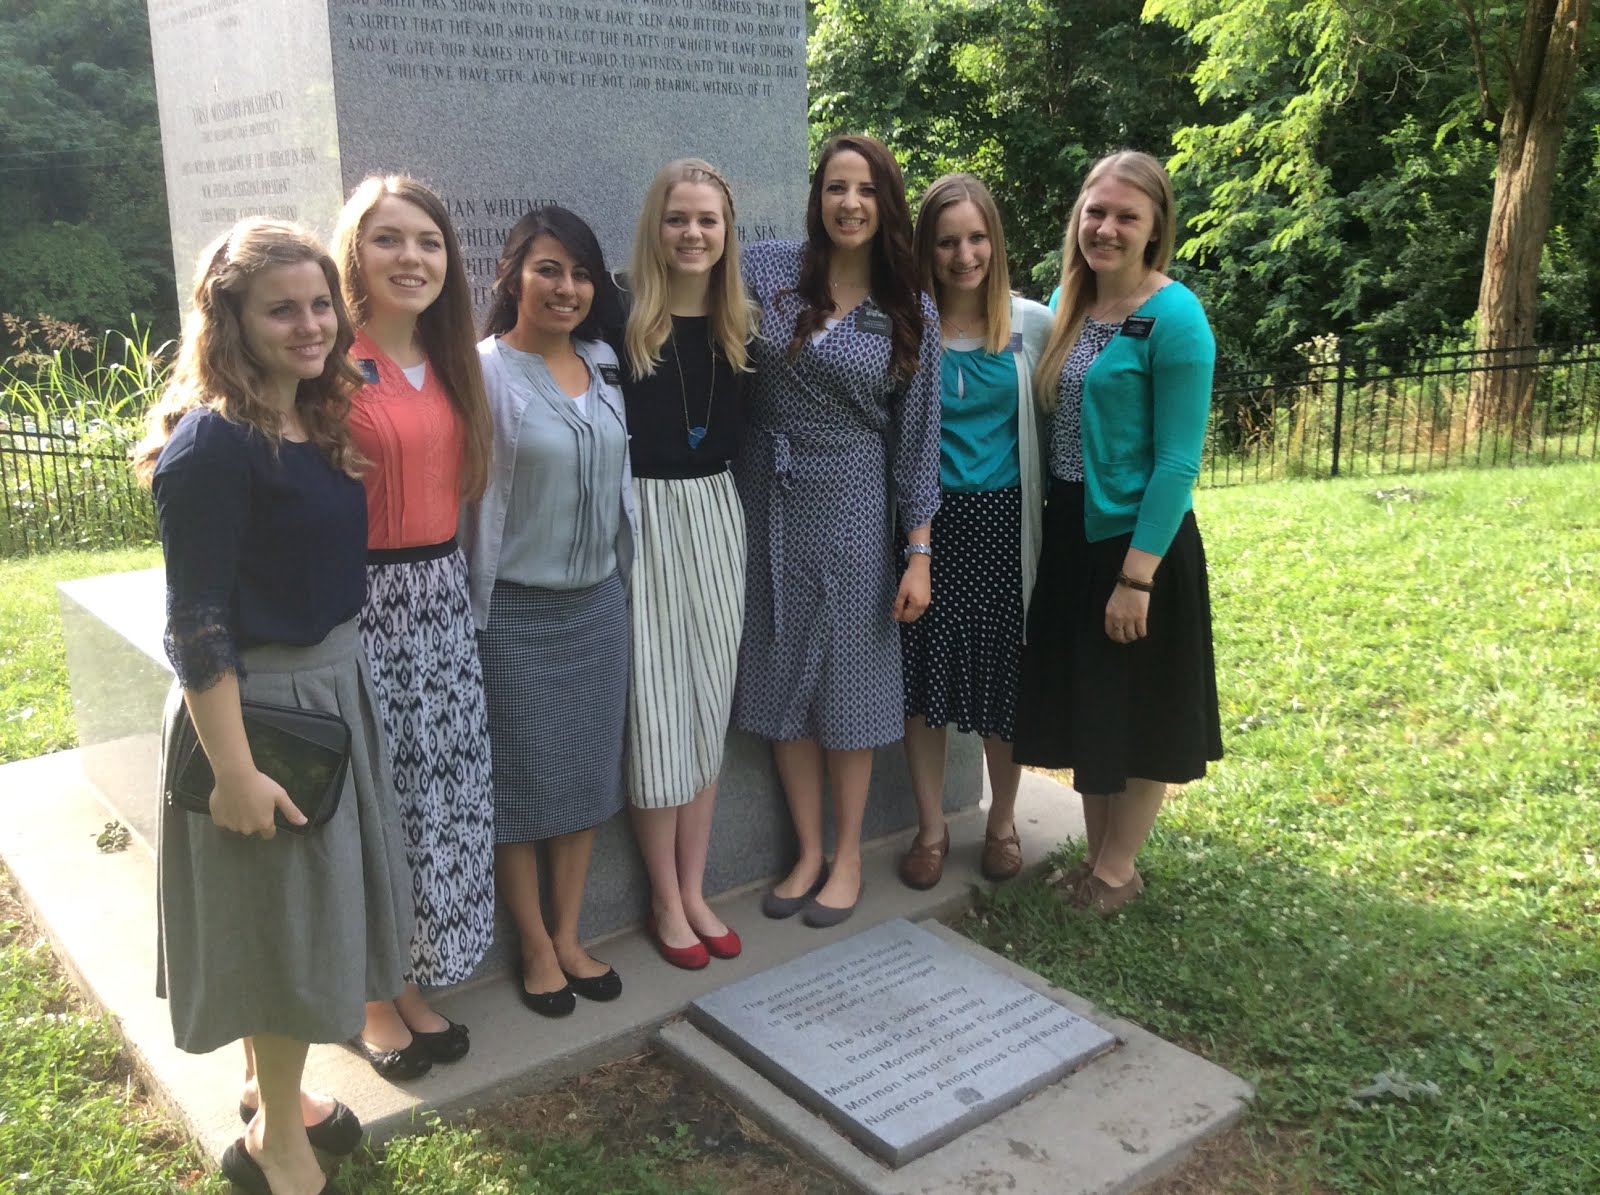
1338,407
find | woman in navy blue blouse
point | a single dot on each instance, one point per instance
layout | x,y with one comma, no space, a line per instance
276,939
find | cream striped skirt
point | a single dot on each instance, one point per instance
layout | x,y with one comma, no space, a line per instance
686,605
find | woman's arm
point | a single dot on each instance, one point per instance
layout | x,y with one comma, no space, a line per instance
202,492
1181,364
916,466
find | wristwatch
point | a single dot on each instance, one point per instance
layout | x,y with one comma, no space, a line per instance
918,550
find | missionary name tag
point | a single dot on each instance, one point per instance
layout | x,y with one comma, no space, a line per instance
1138,326
368,368
1014,345
874,323
611,375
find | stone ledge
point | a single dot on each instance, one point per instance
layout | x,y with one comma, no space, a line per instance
99,911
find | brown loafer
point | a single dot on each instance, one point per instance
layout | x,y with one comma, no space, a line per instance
922,866
1002,857
1105,900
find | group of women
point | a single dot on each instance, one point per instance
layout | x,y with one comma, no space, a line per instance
538,576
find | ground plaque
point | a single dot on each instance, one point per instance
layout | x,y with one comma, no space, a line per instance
901,1039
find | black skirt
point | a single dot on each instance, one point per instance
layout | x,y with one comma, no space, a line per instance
961,657
1108,710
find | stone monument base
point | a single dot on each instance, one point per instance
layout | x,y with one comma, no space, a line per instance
120,679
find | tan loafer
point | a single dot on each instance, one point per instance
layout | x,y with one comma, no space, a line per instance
922,866
1105,900
1002,857
1068,882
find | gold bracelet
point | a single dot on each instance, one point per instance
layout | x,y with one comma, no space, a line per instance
1135,583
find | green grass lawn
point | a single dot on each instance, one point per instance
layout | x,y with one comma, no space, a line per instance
1380,908
35,703
1394,871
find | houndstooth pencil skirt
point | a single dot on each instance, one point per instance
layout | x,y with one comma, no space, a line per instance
555,673
686,602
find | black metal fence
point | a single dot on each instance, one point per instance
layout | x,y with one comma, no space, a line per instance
1349,412
62,487
1344,413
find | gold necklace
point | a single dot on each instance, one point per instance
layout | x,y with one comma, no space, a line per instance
695,433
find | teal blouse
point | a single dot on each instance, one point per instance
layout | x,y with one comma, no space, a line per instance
978,419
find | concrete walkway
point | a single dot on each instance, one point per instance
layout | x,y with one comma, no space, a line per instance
99,910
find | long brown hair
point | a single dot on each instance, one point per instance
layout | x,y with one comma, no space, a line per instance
946,192
215,369
445,327
894,269
650,319
1138,170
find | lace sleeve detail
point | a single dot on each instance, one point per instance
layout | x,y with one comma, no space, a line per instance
200,644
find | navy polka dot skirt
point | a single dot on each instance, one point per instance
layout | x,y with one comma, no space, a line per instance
962,657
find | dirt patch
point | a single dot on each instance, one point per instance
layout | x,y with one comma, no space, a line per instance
1234,1163
644,1104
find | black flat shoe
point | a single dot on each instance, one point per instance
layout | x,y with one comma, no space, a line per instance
449,1044
240,1169
338,1133
597,987
779,907
411,1061
558,1003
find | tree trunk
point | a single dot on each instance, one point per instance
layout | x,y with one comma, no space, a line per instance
1530,140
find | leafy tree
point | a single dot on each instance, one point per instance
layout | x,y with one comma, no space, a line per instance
1023,93
85,236
1368,144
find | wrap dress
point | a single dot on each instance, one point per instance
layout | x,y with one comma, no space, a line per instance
834,448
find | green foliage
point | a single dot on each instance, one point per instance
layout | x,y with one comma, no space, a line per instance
81,179
1023,93
69,416
1393,875
1344,180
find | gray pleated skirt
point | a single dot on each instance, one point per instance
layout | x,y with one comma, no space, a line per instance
686,601
555,672
295,935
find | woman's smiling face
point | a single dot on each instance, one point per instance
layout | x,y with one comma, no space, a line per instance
557,291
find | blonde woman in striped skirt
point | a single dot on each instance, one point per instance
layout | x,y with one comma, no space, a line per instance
683,355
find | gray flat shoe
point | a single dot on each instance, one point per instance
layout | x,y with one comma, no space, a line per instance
779,907
821,916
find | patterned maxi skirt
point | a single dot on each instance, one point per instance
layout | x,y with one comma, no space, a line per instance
417,629
686,603
295,935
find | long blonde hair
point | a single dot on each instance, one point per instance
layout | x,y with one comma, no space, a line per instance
945,193
733,319
215,369
445,327
1138,170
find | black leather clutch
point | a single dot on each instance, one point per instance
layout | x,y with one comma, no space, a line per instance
306,751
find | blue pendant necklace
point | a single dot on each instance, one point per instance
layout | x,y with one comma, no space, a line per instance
695,432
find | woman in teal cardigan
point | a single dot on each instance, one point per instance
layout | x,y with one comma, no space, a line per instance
1118,676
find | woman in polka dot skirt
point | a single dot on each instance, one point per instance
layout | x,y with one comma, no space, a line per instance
962,658
843,432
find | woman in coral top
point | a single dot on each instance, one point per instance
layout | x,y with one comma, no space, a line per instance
422,421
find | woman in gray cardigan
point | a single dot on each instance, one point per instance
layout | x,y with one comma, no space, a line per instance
548,551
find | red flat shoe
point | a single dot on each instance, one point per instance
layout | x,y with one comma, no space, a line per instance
690,958
727,946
